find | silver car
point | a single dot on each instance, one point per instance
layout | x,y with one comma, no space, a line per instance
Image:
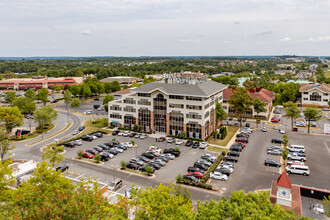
274,152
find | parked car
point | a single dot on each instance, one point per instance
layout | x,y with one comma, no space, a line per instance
247,125
282,131
137,136
274,148
276,127
159,161
239,144
223,170
196,174
189,143
69,144
274,152
218,176
143,168
132,166
87,138
245,129
201,166
205,162
160,139
92,151
242,139
114,185
126,133
232,159
209,159
143,158
233,153
81,128
75,132
179,141
113,151
88,155
274,163
115,132
264,129
132,134
296,162
210,156
170,140
154,165
190,178
118,149
227,163
98,149
275,119
195,144
276,140
163,158
296,148
143,136
127,144
168,155
203,145
242,135
111,156
235,148
104,156
300,124
296,156
193,169
136,161
155,153
298,169
155,149
98,134
62,168
148,155
172,151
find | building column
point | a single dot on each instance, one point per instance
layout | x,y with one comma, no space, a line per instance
203,133
214,121
137,121
185,129
167,123
209,129
152,121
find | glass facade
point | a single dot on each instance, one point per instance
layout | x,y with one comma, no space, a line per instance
145,119
129,121
160,106
194,130
176,123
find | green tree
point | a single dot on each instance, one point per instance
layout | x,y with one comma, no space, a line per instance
11,116
43,95
6,179
123,164
259,106
240,101
312,113
116,86
80,154
5,144
85,91
58,88
25,105
135,84
108,98
220,113
10,96
148,170
75,90
67,96
107,87
31,94
100,88
75,103
326,204
97,158
44,116
163,202
291,111
53,154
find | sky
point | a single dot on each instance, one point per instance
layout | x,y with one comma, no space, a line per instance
164,27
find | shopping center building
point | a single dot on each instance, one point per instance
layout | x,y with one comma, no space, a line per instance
171,106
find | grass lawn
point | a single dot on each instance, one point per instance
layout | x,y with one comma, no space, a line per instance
36,133
327,74
216,149
97,123
231,130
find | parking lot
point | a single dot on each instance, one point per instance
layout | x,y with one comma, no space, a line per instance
169,172
251,174
87,106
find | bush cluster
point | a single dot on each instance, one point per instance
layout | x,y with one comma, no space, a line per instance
212,168
199,184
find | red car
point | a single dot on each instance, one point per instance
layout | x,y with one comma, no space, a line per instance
275,119
196,174
242,139
88,155
241,143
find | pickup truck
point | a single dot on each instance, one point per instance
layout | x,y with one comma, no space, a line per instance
296,156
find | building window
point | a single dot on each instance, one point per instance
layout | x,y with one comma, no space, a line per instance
192,98
224,107
145,119
176,97
194,130
129,101
115,108
160,104
176,123
129,109
248,113
144,102
129,121
306,93
144,94
172,105
325,94
212,120
207,105
315,97
117,116
325,100
305,98
194,107
207,114
206,129
193,115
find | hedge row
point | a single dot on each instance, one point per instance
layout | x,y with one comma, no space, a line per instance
199,184
212,168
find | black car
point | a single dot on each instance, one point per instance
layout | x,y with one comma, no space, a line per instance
96,99
143,169
277,140
244,120
195,144
92,151
132,166
62,168
69,144
104,156
81,128
247,125
190,178
104,147
113,151
232,159
193,169
87,138
132,134
239,145
242,139
96,106
148,155
233,153
155,165
274,163
209,159
121,146
172,151
230,118
115,132
243,135
161,139
143,158
201,166
235,148
98,134
163,158
223,170
189,143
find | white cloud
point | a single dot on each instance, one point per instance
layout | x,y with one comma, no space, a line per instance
320,39
286,39
226,42
86,32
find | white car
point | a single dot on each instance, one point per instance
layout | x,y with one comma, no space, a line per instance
78,142
171,156
120,134
203,145
218,176
179,141
155,149
127,144
282,131
126,133
249,130
264,129
118,149
276,127
227,167
296,156
94,137
75,132
210,155
143,136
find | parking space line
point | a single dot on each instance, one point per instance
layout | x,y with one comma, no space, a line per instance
80,176
325,143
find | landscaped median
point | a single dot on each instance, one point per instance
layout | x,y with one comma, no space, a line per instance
231,131
37,133
203,181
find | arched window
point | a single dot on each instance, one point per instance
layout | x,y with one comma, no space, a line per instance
315,97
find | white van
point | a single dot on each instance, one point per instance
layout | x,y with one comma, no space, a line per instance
296,148
88,112
298,169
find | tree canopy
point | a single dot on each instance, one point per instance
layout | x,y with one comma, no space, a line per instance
45,115
11,116
291,111
25,105
240,101
43,95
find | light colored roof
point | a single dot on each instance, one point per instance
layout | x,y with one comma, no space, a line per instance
307,87
122,79
122,92
263,94
284,181
204,89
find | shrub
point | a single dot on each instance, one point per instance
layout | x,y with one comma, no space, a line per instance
179,178
123,164
97,158
148,170
177,149
111,127
113,139
80,154
133,142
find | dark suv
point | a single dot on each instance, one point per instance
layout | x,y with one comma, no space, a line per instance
87,138
172,151
276,140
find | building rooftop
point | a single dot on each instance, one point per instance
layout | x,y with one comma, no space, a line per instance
203,89
263,94
122,79
123,92
284,181
309,86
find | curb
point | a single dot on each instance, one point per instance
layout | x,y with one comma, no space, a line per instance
86,161
136,174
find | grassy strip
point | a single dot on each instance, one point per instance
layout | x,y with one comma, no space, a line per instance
135,171
231,130
89,160
65,128
97,123
216,149
37,133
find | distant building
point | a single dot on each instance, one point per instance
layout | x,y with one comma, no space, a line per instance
313,67
263,94
222,74
282,72
315,93
123,80
28,83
